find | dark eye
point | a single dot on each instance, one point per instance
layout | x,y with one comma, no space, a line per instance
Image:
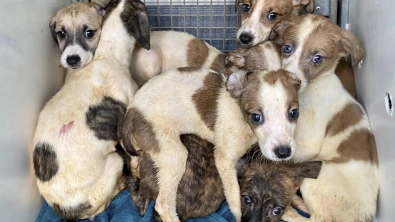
272,15
277,211
287,49
89,34
317,59
247,201
246,7
61,34
293,114
256,118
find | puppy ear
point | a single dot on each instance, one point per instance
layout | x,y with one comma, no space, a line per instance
101,11
294,81
350,45
52,26
278,31
310,169
241,166
135,17
236,58
235,83
308,5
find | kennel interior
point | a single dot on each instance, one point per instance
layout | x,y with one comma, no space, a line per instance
30,74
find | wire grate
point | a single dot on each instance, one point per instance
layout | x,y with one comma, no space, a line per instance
214,21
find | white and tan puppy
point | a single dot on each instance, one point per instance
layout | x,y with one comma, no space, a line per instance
260,16
74,156
76,29
333,127
233,113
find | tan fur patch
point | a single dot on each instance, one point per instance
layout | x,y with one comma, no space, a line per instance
205,99
249,99
282,7
197,52
348,117
188,69
360,145
344,72
218,65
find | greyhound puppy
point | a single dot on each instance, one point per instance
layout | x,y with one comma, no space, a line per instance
170,50
74,155
266,187
333,127
76,29
235,112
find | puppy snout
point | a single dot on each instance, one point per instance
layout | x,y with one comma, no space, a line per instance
246,38
73,60
283,152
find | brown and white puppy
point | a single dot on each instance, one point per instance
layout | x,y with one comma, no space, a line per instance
260,16
76,29
235,112
333,127
74,155
170,50
266,187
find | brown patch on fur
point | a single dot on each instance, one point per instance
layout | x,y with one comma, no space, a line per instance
137,129
218,65
360,145
249,59
350,115
197,52
249,101
188,69
346,75
205,99
282,7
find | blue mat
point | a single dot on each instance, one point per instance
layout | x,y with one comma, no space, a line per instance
122,209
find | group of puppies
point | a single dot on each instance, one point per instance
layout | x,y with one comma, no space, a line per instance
194,126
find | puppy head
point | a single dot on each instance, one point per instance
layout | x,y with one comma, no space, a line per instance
267,188
312,46
269,102
260,16
76,29
264,56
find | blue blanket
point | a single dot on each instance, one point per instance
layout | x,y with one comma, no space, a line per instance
122,209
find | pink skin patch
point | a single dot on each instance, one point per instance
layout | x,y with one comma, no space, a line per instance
66,128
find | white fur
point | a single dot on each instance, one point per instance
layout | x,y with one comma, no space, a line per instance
89,170
75,49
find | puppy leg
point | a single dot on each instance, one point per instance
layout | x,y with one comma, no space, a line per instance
291,215
171,161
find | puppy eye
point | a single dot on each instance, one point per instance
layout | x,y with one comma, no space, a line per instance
293,114
287,49
317,59
277,211
246,7
89,34
272,15
61,34
247,201
256,118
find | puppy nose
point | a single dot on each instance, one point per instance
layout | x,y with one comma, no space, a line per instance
283,152
245,38
73,60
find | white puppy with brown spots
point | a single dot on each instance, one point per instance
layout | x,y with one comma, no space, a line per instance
333,127
233,112
74,154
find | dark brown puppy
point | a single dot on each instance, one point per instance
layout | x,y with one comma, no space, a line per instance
267,188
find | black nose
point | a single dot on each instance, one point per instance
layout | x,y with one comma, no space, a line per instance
245,38
73,60
283,152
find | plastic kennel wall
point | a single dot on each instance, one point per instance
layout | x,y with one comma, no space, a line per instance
30,75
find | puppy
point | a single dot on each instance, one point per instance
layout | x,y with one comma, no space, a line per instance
234,112
260,16
74,156
76,30
200,191
333,127
170,50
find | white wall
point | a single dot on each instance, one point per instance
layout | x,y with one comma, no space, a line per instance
373,21
29,76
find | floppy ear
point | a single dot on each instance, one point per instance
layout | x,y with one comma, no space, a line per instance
52,26
308,5
294,81
135,17
241,167
278,31
236,58
309,169
100,10
350,45
235,83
